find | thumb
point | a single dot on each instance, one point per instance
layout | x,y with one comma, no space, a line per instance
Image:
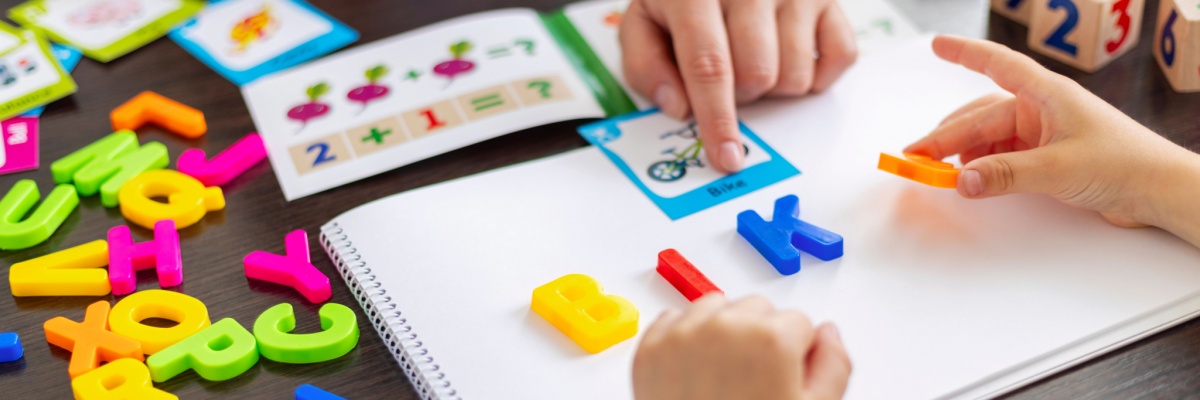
1006,173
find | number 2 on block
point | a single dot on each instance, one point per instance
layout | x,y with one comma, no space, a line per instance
1058,39
1121,8
323,155
1012,4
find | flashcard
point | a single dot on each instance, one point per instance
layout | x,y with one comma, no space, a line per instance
19,147
29,75
68,57
402,99
246,39
666,160
104,29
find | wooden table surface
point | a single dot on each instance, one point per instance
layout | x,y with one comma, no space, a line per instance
257,217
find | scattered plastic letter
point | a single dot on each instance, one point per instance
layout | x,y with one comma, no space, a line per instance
577,306
684,276
293,269
77,271
125,257
219,352
90,341
10,347
187,199
16,233
107,164
119,380
228,164
921,169
162,111
310,392
190,314
781,240
339,336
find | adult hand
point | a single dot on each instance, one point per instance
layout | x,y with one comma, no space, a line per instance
702,56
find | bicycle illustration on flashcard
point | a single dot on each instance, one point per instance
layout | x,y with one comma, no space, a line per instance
674,169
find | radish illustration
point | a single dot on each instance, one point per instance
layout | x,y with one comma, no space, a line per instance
371,91
457,65
312,108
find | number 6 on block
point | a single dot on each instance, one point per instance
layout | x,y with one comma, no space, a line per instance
577,306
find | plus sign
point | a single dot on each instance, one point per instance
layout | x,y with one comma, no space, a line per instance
412,75
376,135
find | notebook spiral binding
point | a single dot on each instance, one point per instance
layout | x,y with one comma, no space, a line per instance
399,336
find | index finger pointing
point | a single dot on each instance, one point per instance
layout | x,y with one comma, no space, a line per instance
702,52
1013,71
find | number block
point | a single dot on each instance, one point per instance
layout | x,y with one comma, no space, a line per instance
1177,43
1086,34
577,306
1016,10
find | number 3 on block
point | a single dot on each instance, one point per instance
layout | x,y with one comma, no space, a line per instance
577,306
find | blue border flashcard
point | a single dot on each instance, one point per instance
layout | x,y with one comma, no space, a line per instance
68,57
246,39
665,159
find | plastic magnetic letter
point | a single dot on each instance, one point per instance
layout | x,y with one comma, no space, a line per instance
219,352
310,392
293,269
921,169
127,315
228,164
338,337
684,276
781,240
107,164
577,306
90,341
77,271
123,379
162,111
187,199
125,257
16,233
10,347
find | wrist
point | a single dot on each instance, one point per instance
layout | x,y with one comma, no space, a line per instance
1172,196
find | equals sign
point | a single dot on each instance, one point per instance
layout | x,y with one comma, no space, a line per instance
499,52
486,102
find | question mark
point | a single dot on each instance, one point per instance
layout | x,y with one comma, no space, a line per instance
527,44
543,88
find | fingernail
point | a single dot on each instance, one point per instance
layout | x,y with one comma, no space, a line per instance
669,101
731,156
971,182
834,333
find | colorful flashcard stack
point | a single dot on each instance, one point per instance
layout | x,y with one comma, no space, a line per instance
246,39
104,29
30,73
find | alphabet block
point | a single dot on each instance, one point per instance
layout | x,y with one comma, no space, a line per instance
684,276
228,164
1086,34
17,231
577,306
126,318
90,341
77,271
220,352
1177,43
107,164
162,111
338,337
125,257
187,199
119,380
293,269
781,240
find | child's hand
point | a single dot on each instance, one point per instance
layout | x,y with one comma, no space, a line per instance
701,56
1049,135
740,350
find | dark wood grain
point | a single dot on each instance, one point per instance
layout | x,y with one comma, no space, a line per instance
257,218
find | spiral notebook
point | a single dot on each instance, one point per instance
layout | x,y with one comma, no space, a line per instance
936,296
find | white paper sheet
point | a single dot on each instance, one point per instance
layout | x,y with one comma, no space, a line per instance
936,296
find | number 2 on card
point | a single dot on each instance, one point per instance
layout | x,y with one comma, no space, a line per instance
1121,7
1058,39
323,155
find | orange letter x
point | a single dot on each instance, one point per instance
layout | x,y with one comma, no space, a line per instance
90,342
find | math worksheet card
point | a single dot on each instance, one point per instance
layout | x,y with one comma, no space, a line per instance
409,97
